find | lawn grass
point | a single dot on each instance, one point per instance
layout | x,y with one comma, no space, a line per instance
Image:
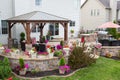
104,69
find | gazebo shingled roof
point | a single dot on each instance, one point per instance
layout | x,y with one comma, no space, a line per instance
37,16
40,19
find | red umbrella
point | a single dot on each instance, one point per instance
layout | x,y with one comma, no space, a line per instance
109,25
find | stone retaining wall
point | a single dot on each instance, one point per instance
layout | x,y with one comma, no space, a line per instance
38,64
111,49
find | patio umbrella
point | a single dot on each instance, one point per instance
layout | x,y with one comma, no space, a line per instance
109,25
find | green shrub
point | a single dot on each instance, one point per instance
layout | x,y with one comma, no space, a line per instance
58,53
72,31
22,36
43,39
62,43
62,62
21,62
78,58
5,69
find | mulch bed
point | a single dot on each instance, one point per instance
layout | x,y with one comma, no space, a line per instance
43,73
113,57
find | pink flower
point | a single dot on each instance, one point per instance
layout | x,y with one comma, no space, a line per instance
98,46
26,66
46,41
65,67
7,50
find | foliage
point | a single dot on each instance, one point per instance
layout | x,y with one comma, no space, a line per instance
108,55
62,43
72,31
113,32
43,39
21,62
78,58
62,62
102,70
5,69
58,53
22,36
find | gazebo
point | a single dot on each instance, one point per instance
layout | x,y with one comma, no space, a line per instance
38,18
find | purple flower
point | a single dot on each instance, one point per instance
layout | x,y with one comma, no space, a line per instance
46,41
65,67
59,47
7,50
43,53
26,66
63,51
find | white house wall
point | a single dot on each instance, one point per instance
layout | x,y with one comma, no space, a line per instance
5,12
119,14
92,22
65,8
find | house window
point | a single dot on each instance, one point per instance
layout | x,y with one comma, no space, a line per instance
54,29
98,12
35,29
38,2
94,12
72,23
4,27
91,12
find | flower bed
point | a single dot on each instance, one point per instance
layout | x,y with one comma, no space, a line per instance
41,64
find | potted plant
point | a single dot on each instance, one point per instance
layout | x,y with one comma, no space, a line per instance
72,32
58,53
1,48
62,43
62,66
48,35
22,41
33,53
23,67
50,52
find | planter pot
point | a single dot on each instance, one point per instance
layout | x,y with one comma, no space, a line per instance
28,47
51,55
13,54
22,71
67,51
61,71
1,51
41,56
34,55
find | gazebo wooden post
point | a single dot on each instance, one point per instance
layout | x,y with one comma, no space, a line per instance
65,31
41,26
10,42
28,33
9,35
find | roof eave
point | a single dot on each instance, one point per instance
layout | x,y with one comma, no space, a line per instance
38,21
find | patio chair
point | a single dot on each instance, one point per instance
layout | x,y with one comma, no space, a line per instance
105,42
114,43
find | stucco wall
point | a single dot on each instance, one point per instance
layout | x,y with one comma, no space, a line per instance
5,12
65,8
92,22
